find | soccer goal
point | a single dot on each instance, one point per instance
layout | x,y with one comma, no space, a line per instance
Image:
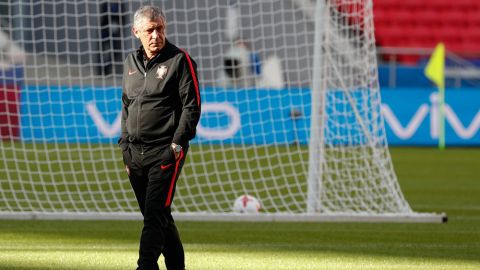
290,111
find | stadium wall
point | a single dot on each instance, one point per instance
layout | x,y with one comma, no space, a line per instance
92,115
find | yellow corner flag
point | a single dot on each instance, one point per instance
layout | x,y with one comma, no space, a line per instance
435,69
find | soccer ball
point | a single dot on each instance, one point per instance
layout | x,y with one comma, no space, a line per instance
246,204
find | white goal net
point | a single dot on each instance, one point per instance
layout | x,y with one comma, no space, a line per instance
290,109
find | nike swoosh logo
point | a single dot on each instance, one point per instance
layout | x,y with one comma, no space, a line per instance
164,167
130,72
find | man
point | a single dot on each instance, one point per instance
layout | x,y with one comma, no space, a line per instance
160,112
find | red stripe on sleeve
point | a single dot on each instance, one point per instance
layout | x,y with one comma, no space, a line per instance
192,70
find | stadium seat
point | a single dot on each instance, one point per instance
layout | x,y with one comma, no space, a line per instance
438,4
471,41
427,18
424,23
462,5
412,4
381,17
391,35
473,17
403,17
385,4
454,18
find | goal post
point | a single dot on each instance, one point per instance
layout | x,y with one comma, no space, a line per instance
290,112
344,39
316,145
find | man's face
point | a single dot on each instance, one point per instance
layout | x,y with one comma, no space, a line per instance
151,34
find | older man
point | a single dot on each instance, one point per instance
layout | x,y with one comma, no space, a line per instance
160,112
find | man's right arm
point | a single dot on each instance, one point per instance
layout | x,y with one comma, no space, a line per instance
123,140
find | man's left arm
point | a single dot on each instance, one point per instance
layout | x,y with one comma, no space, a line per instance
190,98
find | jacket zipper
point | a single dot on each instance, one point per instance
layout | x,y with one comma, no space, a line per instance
140,105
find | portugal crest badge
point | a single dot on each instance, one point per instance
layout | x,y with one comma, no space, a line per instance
162,72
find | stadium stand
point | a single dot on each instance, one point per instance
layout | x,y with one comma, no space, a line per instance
422,24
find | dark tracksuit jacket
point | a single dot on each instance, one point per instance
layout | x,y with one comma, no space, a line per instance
161,105
161,102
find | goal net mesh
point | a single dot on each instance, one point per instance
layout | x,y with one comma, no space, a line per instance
60,85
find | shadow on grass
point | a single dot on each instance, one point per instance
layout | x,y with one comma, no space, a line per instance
457,240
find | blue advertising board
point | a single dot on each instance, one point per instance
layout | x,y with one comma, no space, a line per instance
70,114
412,116
243,116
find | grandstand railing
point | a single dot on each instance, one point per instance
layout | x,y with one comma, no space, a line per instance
458,69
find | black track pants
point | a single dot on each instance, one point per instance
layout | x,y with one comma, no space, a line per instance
153,173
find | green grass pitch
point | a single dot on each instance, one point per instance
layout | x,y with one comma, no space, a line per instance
432,181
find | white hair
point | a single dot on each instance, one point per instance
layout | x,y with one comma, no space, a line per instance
147,12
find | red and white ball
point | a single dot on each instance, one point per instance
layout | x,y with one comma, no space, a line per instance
246,204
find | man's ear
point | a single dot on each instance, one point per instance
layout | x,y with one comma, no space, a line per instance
135,32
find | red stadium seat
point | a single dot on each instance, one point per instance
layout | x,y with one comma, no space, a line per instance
428,17
471,41
438,4
472,16
454,18
412,4
463,5
381,17
424,23
385,4
403,17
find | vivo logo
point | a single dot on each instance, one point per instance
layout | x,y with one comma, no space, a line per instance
107,130
425,112
220,133
433,110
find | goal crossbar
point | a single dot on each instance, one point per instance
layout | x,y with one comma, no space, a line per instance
231,217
